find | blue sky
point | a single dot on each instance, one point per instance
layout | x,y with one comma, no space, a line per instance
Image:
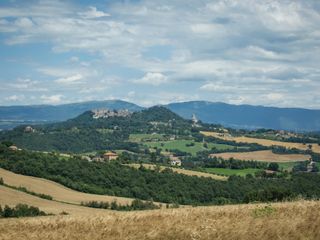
155,52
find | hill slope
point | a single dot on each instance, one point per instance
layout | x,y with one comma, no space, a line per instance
246,116
85,133
56,190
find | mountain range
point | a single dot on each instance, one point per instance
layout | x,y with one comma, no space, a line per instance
236,116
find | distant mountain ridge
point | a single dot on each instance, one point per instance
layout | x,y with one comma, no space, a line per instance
250,117
60,112
236,116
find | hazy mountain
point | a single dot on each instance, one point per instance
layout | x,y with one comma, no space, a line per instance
250,117
11,116
237,116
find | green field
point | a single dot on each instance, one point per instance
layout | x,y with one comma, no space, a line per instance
181,145
287,165
230,172
142,137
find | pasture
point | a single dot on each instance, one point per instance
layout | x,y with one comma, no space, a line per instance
188,146
230,172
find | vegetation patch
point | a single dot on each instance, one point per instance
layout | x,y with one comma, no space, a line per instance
264,211
188,146
230,172
21,210
134,206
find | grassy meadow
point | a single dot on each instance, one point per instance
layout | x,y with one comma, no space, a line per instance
182,146
230,172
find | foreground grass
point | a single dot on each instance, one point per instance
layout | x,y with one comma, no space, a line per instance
296,220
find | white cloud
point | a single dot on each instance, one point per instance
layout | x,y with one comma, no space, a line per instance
74,79
152,78
233,48
53,99
94,13
15,98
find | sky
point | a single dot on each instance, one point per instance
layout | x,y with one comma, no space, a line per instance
258,52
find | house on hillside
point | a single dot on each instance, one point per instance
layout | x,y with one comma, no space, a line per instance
13,148
109,156
29,129
174,161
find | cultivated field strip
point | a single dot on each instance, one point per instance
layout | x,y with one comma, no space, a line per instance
264,156
264,142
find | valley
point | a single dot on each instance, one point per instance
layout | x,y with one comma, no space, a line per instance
85,168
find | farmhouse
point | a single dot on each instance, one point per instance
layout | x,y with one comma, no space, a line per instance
29,129
13,148
108,156
174,161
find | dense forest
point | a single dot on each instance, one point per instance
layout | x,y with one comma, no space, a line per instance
165,186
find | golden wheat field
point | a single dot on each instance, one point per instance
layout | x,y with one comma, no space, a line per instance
295,220
57,191
182,171
265,156
263,142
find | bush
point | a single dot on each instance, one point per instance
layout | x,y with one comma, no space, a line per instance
21,210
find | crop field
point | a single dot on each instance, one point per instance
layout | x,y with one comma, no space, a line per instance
264,142
230,172
293,220
182,146
57,191
263,156
183,171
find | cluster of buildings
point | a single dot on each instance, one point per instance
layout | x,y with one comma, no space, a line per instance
106,113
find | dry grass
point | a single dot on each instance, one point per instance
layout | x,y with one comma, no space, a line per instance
57,191
297,220
182,171
264,142
265,156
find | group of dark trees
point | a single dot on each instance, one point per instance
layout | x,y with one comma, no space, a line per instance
161,186
135,205
20,210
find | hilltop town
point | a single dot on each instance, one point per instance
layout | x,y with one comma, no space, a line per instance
107,113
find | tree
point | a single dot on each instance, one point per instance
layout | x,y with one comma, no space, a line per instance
273,167
7,212
1,181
